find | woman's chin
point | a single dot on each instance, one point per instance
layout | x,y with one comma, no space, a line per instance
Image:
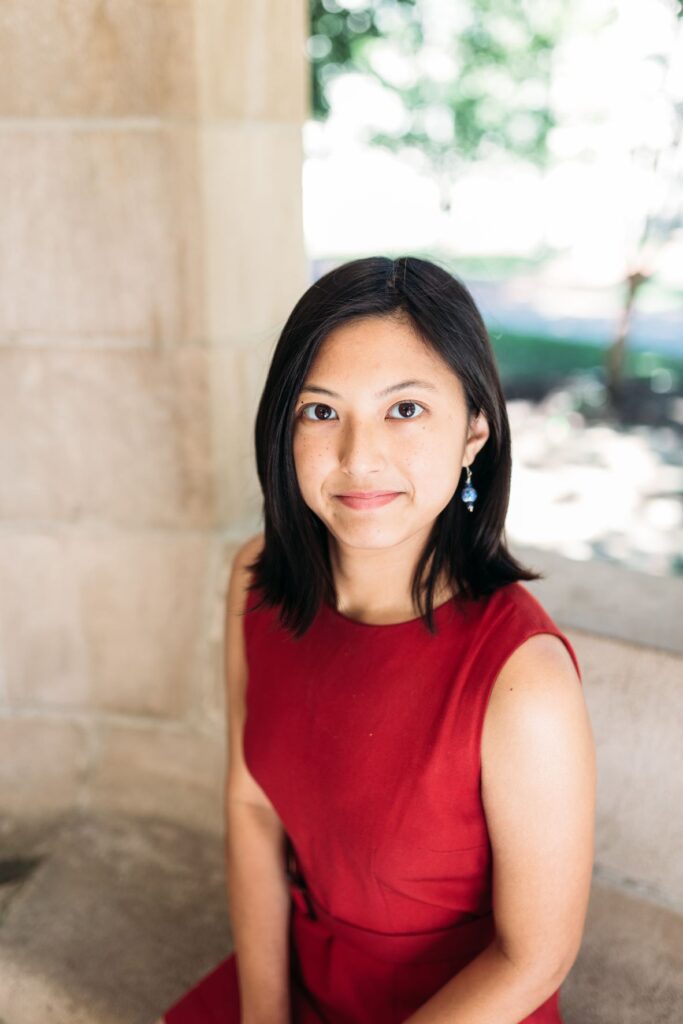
367,534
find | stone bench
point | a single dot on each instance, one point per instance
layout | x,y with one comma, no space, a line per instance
120,915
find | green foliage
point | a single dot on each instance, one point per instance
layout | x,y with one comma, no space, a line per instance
339,36
493,99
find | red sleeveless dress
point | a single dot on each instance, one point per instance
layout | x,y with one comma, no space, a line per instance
366,739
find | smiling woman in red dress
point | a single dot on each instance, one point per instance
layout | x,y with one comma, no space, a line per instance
410,788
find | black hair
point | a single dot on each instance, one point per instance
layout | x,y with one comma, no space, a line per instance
293,568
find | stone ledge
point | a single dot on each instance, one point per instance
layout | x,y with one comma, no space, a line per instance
607,599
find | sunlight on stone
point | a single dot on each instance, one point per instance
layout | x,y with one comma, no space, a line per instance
589,491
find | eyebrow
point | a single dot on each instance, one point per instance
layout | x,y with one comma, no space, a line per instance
379,394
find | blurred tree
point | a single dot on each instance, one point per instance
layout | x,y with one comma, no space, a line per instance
663,212
471,79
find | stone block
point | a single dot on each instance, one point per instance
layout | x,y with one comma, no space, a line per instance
142,619
172,773
43,660
120,436
252,62
88,58
103,621
237,379
43,766
101,236
255,261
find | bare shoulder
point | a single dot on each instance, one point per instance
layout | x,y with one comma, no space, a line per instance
240,785
252,547
540,670
538,690
240,575
538,783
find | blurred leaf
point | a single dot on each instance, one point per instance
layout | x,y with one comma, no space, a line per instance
495,99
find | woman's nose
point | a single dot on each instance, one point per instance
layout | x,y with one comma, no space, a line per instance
361,449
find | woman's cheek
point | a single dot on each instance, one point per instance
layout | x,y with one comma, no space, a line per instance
312,467
433,469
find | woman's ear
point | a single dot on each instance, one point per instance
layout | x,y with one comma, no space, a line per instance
477,436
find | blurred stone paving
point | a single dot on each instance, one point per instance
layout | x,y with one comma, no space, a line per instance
590,490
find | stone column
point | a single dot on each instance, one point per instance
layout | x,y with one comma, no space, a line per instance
151,247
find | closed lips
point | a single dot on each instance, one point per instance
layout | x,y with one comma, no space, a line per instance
369,500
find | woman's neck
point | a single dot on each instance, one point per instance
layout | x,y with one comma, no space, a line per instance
374,584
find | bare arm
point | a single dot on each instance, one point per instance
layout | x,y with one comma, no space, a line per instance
538,789
258,894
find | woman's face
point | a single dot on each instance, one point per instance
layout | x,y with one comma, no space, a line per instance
349,436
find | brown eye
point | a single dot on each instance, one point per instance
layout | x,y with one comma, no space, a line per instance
315,406
407,406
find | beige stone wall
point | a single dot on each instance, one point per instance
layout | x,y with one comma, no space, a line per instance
151,246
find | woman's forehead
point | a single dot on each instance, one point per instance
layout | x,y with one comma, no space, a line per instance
374,356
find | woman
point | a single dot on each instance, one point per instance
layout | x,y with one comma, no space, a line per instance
410,801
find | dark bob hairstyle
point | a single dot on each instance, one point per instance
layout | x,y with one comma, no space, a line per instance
293,568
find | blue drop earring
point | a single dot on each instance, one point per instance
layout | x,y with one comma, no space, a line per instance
468,493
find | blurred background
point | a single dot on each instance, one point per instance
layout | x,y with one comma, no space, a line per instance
535,148
174,174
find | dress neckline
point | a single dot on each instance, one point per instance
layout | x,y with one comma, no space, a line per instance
438,611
